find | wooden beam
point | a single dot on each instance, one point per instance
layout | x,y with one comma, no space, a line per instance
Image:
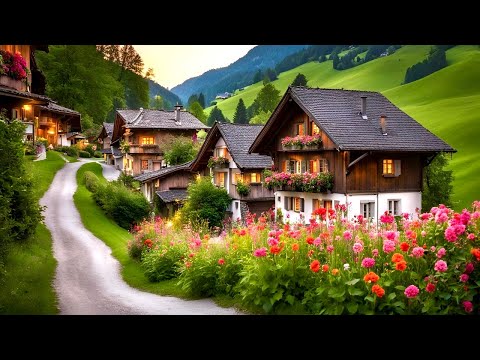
358,159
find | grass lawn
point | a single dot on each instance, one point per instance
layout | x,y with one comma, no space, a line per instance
117,238
30,266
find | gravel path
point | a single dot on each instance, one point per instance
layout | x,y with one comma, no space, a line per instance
88,279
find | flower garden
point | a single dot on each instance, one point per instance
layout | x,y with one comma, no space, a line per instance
330,265
302,140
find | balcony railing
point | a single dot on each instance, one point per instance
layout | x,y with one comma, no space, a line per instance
305,182
257,191
144,149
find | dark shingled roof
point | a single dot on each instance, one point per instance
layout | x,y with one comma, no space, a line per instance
116,151
338,113
169,196
23,94
108,128
160,119
239,137
162,172
106,151
59,109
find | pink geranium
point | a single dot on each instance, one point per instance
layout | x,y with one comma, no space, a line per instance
388,246
330,248
411,291
468,306
418,252
441,252
471,236
347,235
368,263
464,278
272,241
469,268
375,252
357,248
260,252
441,266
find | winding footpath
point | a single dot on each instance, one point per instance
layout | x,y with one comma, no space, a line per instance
88,279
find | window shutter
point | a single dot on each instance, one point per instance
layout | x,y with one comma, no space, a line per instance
302,204
150,164
398,167
326,165
286,203
303,166
287,166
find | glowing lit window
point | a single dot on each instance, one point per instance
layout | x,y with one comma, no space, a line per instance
388,167
238,177
220,179
298,204
315,129
300,129
144,164
313,166
221,152
323,165
147,140
255,177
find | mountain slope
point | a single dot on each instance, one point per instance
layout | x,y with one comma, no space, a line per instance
157,89
446,102
235,75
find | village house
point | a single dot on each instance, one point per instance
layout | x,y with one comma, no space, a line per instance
224,155
22,97
141,135
105,138
348,147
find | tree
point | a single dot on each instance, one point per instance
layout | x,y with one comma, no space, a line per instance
193,98
267,99
149,74
156,102
201,100
197,111
271,73
206,202
179,150
300,80
240,116
19,210
215,115
437,183
258,76
336,60
261,118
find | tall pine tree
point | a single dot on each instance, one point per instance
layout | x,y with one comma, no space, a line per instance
215,115
201,100
240,116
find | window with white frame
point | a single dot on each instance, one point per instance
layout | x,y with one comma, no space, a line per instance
367,209
394,207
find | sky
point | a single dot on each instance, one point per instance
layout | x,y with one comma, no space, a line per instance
173,64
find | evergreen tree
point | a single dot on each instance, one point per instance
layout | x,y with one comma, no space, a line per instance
336,60
156,102
437,184
272,74
300,80
193,98
267,99
215,115
240,116
261,118
258,76
201,100
197,111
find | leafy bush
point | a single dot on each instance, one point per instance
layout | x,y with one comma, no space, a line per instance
30,148
179,150
125,206
91,181
97,154
206,201
69,150
84,154
128,181
242,188
163,263
90,148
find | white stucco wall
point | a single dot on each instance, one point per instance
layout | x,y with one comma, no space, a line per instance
62,140
409,201
236,210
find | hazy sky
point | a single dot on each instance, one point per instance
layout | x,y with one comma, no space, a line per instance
173,64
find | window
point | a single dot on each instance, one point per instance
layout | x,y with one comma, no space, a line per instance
255,178
288,203
238,177
221,152
147,140
300,129
394,207
295,166
15,114
314,129
323,165
144,165
392,167
313,166
367,209
157,183
298,204
220,179
316,204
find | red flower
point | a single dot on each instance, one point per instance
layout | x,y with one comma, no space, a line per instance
315,266
476,253
310,240
188,264
295,247
325,268
221,261
191,255
430,288
401,265
397,258
148,243
310,253
378,290
275,249
404,246
371,277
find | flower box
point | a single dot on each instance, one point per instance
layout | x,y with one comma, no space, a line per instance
301,141
7,81
218,162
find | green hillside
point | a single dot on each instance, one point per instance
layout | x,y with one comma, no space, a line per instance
446,102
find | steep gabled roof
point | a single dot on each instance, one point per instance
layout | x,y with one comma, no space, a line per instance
157,174
338,113
108,127
238,138
169,196
160,119
59,109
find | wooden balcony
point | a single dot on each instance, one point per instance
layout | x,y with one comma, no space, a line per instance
19,85
144,149
257,191
301,149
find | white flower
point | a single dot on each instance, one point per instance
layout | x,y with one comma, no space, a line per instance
346,266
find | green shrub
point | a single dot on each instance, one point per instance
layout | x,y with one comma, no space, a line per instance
91,181
242,188
41,140
84,154
163,263
69,150
135,248
90,150
206,202
199,278
97,154
123,205
30,149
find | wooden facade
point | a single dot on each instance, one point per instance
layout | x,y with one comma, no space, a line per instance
175,180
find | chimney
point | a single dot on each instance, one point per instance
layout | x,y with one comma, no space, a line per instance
383,124
177,114
364,107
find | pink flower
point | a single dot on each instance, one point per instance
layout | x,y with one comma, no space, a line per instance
357,248
375,252
330,248
388,246
390,235
368,263
441,253
468,306
464,278
260,252
471,236
430,288
432,248
441,266
469,268
417,252
317,241
450,234
347,235
272,241
423,233
411,291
